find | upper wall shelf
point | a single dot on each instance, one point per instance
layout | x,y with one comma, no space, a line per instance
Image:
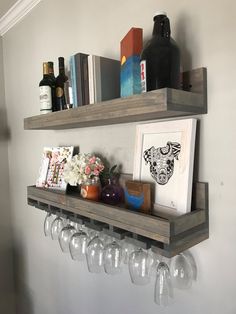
162,103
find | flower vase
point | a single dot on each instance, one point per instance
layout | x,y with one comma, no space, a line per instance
91,189
112,193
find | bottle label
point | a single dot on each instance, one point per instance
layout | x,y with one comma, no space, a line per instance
143,76
59,92
45,98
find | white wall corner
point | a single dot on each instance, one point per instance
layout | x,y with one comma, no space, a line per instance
16,14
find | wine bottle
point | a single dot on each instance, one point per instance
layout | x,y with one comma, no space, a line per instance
160,58
53,81
45,91
60,86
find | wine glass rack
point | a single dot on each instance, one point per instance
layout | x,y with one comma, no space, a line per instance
168,235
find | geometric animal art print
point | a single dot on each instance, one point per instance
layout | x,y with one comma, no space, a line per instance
161,161
51,173
163,157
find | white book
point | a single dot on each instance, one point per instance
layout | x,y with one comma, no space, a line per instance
104,78
91,78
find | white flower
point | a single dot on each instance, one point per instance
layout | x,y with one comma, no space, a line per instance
81,168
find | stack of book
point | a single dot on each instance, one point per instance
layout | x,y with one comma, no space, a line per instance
93,79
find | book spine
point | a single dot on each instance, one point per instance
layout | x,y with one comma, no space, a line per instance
85,79
79,78
73,81
97,80
91,79
81,74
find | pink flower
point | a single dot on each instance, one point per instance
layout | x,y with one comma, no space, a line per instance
96,171
87,170
92,160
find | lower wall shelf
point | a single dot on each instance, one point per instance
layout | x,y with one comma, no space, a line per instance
168,236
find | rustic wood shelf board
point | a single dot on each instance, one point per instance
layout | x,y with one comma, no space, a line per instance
162,103
171,233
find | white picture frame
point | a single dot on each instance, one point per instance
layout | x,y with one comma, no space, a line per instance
51,172
164,156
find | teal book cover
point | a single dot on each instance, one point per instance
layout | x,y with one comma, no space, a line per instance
130,76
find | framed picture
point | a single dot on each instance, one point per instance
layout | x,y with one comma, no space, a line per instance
164,155
52,167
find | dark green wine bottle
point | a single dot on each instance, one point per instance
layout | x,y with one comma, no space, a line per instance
60,86
53,81
45,91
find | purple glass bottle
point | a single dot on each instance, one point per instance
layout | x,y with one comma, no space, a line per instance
112,193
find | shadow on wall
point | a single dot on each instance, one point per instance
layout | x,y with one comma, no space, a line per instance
23,297
182,39
4,130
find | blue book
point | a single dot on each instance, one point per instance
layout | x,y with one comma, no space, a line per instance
73,81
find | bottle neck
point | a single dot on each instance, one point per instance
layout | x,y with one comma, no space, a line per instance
45,69
62,71
61,66
161,26
51,69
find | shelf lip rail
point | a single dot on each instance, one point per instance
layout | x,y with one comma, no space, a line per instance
156,104
171,232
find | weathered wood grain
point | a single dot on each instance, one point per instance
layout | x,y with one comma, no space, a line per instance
152,227
183,244
162,103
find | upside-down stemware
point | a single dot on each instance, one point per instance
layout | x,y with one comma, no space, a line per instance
181,272
78,245
56,226
47,224
163,294
65,236
112,258
95,255
139,267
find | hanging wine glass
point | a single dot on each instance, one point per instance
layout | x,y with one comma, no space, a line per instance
139,267
127,249
181,272
95,255
78,245
163,294
65,236
56,226
155,259
47,224
112,258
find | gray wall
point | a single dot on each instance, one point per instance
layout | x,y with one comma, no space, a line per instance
48,281
6,249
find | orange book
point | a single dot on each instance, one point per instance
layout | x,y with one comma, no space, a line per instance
131,44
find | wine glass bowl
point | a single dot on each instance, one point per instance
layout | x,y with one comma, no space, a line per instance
181,272
112,258
65,236
56,226
163,294
78,245
139,267
47,224
95,255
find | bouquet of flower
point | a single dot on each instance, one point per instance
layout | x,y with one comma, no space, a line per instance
81,168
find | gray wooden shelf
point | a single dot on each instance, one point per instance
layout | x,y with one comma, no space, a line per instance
169,236
162,103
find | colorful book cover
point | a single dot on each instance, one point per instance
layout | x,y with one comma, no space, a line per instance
130,47
52,167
